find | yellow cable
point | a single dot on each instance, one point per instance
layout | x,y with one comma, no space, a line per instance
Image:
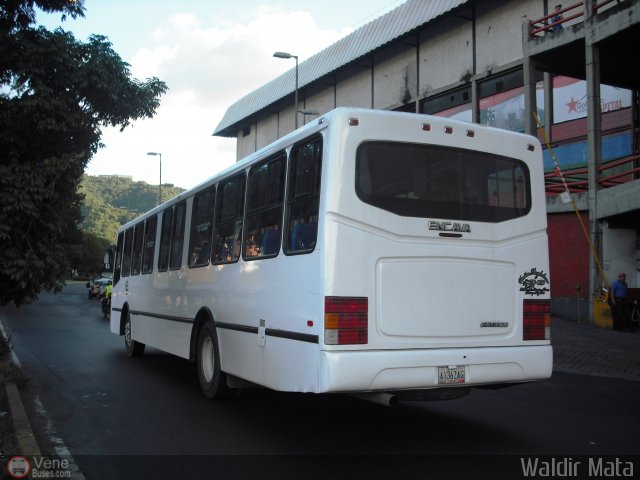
573,202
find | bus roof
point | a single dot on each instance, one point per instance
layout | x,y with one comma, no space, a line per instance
314,126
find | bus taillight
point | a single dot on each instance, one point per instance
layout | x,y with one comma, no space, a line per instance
536,320
346,320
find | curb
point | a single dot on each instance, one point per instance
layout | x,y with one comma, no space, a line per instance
27,442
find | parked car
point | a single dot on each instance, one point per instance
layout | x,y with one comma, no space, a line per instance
95,284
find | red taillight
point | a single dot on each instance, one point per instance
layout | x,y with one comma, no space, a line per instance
346,320
536,321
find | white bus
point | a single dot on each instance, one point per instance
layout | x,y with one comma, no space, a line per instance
385,254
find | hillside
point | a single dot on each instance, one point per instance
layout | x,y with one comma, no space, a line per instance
110,201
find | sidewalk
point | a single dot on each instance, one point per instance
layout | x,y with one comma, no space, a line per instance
589,350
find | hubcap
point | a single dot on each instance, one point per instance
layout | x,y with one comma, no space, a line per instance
127,333
207,359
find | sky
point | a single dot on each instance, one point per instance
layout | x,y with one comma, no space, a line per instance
210,53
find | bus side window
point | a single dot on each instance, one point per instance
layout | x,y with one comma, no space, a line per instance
303,196
117,267
136,257
228,224
149,244
201,227
165,240
126,256
265,196
177,237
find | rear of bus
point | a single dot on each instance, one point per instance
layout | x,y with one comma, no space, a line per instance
436,270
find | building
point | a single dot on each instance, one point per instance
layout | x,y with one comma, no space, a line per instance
496,62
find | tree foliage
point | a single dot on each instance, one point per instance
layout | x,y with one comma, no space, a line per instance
111,201
56,93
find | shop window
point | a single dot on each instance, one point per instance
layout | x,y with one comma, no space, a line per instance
501,101
455,104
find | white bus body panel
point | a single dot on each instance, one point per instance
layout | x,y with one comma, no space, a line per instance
429,296
418,369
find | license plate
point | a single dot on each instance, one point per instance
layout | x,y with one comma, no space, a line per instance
450,375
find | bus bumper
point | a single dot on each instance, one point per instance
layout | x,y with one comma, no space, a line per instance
389,370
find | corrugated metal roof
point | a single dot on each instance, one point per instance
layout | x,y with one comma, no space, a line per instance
384,29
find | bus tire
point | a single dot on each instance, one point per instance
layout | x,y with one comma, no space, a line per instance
213,381
133,348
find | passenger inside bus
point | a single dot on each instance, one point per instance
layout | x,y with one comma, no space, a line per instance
252,249
303,234
270,240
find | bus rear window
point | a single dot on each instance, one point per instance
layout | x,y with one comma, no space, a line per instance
430,181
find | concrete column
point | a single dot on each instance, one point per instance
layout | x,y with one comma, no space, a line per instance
594,140
373,81
530,103
255,141
635,106
548,105
475,102
417,102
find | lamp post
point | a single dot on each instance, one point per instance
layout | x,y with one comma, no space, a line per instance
295,101
308,112
160,184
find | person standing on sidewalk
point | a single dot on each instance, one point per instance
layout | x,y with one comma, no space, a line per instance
620,309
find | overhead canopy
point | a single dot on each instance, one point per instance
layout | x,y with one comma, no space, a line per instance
379,32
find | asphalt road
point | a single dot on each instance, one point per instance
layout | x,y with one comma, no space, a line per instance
146,418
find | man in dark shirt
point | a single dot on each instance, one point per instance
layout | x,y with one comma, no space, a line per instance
556,19
620,309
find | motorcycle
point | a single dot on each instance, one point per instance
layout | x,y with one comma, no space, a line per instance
106,305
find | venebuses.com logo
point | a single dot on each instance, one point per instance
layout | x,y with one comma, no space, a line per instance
18,467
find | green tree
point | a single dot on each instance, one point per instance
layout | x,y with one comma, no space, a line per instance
111,201
92,254
56,93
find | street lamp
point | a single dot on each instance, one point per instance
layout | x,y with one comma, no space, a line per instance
160,184
295,101
308,112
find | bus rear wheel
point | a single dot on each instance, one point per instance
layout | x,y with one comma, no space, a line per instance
133,348
213,380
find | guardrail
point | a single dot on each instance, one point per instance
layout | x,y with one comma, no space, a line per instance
577,178
549,23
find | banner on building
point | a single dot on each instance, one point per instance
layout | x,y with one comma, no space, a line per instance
570,99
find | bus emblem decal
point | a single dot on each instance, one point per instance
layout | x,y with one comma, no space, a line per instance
449,226
534,282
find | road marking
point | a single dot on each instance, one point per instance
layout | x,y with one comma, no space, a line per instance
58,444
